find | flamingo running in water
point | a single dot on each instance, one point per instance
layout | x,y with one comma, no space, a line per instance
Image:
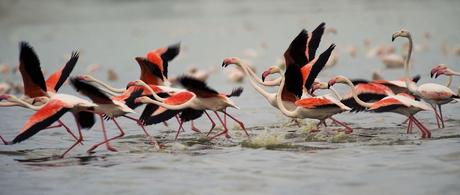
401,103
54,109
199,97
110,108
434,94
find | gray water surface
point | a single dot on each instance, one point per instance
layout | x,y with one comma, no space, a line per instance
378,158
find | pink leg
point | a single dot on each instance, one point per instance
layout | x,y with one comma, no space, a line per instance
427,133
440,114
436,115
237,121
409,126
179,121
68,130
194,128
178,130
152,139
225,131
405,121
225,117
79,140
349,129
4,141
213,124
165,123
106,140
422,130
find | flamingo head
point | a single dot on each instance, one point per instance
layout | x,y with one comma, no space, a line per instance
85,78
269,71
6,97
337,79
319,85
40,100
400,33
439,70
230,60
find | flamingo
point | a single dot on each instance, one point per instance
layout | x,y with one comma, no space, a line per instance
401,103
55,108
108,107
199,97
155,70
442,69
432,93
15,101
319,107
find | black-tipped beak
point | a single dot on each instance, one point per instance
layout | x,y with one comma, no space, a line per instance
330,83
33,101
265,74
393,38
328,86
436,75
224,64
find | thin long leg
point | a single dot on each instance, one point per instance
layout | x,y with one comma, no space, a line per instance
225,131
237,121
3,140
436,115
178,130
68,130
349,129
106,141
193,127
420,125
422,130
79,140
213,124
409,126
225,117
405,121
152,139
179,121
165,123
440,114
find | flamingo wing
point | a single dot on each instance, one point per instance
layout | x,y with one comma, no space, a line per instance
189,114
366,97
85,119
32,76
158,115
41,119
150,72
295,53
200,88
57,79
94,93
129,96
387,104
318,65
294,81
314,41
314,102
169,54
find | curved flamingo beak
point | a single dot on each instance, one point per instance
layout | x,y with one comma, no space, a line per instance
265,74
393,37
224,64
434,72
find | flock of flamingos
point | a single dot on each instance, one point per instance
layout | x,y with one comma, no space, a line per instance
295,97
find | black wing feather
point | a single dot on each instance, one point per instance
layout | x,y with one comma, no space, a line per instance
189,114
68,68
86,119
94,93
37,127
295,54
152,68
315,39
318,66
29,59
130,100
236,92
294,80
170,54
194,85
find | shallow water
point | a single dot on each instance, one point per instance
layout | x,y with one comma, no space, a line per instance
379,157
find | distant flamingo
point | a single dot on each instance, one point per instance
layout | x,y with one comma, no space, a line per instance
199,97
442,69
432,93
402,104
57,106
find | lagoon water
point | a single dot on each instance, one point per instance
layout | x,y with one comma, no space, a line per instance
378,158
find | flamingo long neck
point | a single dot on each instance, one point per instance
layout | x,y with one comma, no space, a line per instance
406,66
279,101
153,92
167,106
108,87
355,96
253,83
19,102
336,94
251,73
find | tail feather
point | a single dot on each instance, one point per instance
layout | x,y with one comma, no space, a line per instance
236,92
